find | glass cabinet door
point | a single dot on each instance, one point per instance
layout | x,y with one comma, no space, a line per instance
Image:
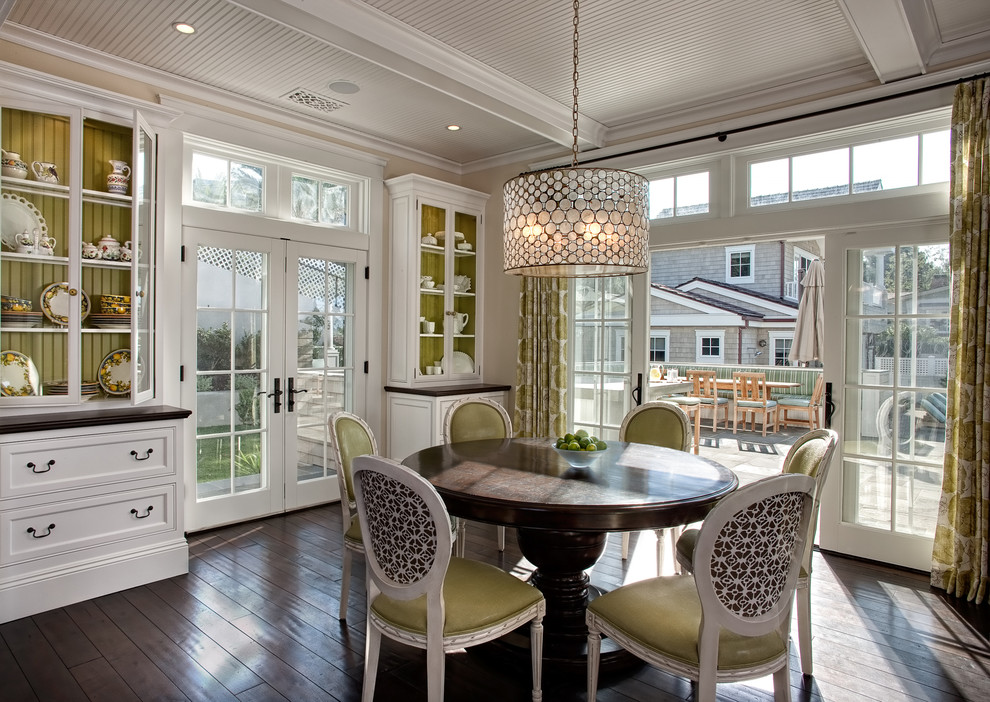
77,249
143,263
41,295
447,296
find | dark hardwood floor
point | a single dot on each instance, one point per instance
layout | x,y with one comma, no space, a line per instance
256,619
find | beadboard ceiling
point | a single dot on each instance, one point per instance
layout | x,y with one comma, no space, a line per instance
502,69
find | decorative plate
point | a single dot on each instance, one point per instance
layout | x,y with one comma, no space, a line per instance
461,363
55,301
17,216
18,375
115,372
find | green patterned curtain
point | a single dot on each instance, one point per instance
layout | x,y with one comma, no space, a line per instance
960,558
541,376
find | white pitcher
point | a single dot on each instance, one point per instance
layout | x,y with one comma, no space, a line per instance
118,180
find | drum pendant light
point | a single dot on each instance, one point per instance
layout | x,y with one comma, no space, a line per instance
576,222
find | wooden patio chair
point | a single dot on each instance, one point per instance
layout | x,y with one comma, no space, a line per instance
751,397
809,405
706,388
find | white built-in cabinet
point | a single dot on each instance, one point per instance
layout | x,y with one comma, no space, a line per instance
437,288
91,485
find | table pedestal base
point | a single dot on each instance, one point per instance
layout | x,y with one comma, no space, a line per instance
561,558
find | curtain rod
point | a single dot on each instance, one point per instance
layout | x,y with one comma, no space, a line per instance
723,135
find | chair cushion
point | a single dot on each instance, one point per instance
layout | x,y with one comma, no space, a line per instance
664,615
476,596
753,403
686,543
684,400
710,400
353,533
794,401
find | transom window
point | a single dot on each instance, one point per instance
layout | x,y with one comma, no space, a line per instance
322,201
888,164
227,183
679,196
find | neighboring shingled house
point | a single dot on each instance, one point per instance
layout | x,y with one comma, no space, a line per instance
727,304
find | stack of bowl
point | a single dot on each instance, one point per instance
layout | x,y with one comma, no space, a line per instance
18,312
115,312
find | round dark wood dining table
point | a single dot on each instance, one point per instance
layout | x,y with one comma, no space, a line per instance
563,513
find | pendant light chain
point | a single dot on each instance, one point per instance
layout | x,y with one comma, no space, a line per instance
574,113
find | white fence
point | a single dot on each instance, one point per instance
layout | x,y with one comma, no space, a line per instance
929,366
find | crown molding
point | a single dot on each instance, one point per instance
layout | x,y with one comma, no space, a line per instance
165,83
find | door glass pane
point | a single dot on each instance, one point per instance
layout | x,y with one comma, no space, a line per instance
897,333
322,381
232,373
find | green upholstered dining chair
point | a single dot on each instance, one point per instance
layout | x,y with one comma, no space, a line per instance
810,455
420,595
476,419
659,423
730,621
350,437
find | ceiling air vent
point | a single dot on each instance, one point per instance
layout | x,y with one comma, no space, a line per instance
314,101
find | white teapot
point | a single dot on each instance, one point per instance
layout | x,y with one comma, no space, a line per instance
125,251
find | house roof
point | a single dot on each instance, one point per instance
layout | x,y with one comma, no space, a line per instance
748,306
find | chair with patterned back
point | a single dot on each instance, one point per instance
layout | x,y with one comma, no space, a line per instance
475,419
418,594
350,437
730,621
751,397
810,455
658,423
711,401
809,405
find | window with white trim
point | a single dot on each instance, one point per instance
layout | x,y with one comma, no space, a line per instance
710,346
739,263
680,196
886,164
227,183
659,346
780,348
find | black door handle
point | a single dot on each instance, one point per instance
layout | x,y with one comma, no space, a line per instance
637,392
292,393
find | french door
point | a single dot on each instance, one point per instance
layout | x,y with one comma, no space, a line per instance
279,326
888,300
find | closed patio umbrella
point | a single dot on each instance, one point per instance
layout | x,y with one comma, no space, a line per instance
809,327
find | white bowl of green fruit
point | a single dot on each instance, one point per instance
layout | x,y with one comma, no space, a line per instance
580,449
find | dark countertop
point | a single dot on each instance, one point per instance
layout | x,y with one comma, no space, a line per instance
71,419
445,390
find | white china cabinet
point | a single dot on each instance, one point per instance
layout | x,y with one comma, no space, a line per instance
90,461
436,326
77,256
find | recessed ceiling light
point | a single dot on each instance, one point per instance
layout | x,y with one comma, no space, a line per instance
183,27
344,87
454,127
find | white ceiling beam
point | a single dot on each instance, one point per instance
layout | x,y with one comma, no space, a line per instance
376,37
893,45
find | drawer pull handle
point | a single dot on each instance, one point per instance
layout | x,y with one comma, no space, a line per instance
34,468
146,456
31,531
145,515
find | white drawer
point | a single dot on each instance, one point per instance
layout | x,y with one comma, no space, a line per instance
63,527
47,465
